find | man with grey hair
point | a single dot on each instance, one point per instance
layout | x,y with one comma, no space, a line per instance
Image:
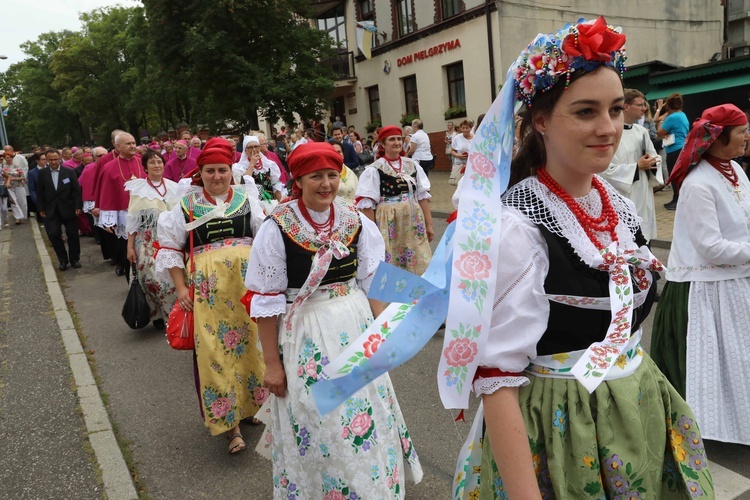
112,199
419,147
107,241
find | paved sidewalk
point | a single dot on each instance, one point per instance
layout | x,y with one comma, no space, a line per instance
45,451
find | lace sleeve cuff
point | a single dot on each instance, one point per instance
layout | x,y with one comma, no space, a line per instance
167,259
366,203
267,306
492,384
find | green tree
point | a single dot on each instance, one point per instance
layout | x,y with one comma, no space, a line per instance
233,59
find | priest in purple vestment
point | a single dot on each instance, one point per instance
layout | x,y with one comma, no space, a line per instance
181,164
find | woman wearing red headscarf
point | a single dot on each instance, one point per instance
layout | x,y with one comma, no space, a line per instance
702,328
223,220
309,272
395,193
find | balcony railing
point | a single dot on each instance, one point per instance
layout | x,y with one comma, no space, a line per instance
342,66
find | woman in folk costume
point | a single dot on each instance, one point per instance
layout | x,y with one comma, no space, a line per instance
264,172
223,220
150,197
573,408
395,193
307,279
701,329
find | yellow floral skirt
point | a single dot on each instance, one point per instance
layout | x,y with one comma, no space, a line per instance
230,363
403,228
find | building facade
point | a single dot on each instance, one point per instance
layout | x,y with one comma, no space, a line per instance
446,59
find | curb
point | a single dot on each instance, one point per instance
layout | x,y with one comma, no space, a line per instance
118,485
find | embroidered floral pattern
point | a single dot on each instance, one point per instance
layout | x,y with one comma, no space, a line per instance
358,425
233,340
459,353
260,393
206,288
220,406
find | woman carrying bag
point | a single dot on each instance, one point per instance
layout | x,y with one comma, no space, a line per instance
222,220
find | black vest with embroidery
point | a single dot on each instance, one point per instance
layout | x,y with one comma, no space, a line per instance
220,229
300,247
572,328
392,186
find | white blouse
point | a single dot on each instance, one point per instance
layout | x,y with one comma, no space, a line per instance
711,239
172,233
267,272
462,145
268,167
368,188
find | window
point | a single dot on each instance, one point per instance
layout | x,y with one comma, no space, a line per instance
410,95
456,92
373,96
365,9
450,8
334,23
405,17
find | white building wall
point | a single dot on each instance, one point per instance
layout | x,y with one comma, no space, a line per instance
679,32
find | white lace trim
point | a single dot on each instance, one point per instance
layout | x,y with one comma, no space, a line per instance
141,188
265,306
366,203
542,207
492,384
167,259
88,206
142,219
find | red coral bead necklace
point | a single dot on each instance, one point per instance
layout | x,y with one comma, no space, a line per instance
605,223
324,228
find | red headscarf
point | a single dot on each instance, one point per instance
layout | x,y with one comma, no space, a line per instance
216,151
703,134
307,158
386,132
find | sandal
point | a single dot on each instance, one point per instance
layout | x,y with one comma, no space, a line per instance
238,445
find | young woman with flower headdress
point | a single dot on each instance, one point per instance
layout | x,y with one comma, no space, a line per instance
394,192
701,327
312,264
222,220
573,407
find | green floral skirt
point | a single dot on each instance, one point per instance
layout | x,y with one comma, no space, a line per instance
634,437
669,336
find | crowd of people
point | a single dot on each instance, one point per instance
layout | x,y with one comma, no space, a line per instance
273,242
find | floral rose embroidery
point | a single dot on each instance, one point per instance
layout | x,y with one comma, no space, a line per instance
473,266
220,407
345,432
204,289
482,165
460,352
231,338
260,394
361,424
595,42
372,344
312,369
335,495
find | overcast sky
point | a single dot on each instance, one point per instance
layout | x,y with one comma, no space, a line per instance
24,20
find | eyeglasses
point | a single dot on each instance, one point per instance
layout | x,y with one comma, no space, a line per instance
254,146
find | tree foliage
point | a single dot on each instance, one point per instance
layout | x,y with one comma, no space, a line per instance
208,63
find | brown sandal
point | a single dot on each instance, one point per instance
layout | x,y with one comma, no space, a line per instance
238,446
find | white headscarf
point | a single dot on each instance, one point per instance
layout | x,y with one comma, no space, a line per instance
244,163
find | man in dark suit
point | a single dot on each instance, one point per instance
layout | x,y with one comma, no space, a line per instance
59,201
351,159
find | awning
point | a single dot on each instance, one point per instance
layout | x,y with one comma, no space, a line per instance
698,87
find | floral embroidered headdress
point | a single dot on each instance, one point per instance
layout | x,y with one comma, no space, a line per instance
548,58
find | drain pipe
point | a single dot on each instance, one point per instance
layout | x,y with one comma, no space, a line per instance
490,50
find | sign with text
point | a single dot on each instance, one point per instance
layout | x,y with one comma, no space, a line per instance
432,51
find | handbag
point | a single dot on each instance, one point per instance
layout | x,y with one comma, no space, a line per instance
136,311
4,193
365,158
180,325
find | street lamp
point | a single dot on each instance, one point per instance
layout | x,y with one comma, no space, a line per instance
3,57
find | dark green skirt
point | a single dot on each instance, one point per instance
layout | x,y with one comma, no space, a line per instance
634,437
669,337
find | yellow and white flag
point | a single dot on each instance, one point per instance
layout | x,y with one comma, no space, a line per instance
3,102
365,32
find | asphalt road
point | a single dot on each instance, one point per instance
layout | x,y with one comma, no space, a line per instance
152,402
